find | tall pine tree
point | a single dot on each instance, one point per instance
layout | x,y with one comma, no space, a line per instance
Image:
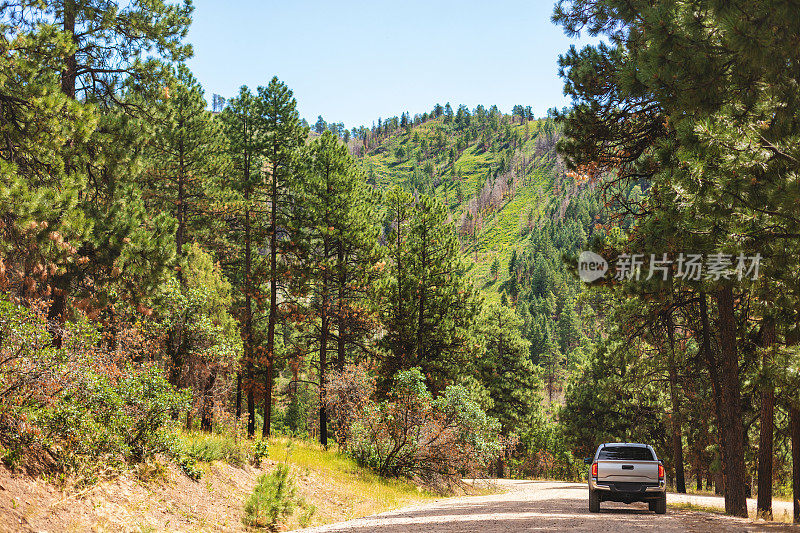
242,124
283,134
339,255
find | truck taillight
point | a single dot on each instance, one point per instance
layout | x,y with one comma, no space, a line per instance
594,469
660,471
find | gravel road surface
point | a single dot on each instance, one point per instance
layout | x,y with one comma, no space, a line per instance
550,506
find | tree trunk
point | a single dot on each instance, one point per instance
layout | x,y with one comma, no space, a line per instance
323,354
180,233
251,399
238,396
794,428
765,442
57,312
273,291
677,435
731,409
69,74
423,291
397,361
57,315
719,483
342,329
248,311
207,413
702,466
501,467
175,352
713,374
268,378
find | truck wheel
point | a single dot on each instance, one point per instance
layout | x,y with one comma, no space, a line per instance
594,501
660,505
651,505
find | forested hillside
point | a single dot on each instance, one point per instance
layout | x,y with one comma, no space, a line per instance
494,172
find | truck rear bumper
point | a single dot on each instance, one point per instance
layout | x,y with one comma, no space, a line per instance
628,492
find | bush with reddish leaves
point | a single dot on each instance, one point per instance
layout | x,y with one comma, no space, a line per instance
77,408
411,433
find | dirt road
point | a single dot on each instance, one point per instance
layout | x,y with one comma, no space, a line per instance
547,506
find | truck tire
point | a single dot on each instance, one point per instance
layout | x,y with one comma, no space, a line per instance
651,505
594,501
660,505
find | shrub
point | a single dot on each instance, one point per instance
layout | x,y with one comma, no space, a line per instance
348,393
412,434
10,458
189,467
273,499
147,400
260,451
308,513
78,407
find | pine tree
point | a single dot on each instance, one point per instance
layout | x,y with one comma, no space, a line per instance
279,122
427,307
504,369
183,167
242,126
125,251
43,220
185,160
108,40
494,270
340,249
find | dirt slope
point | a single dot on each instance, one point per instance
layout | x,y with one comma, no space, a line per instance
162,498
165,501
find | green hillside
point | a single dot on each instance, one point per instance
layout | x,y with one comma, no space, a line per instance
495,172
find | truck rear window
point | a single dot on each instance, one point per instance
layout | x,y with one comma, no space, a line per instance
626,453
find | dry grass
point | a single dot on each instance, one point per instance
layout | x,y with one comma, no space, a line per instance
695,507
779,516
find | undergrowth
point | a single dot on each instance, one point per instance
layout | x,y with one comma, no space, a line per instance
274,499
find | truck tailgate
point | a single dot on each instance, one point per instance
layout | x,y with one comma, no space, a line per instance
627,471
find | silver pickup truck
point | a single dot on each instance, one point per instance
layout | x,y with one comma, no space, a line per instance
626,472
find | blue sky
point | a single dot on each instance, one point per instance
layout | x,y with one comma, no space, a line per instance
355,61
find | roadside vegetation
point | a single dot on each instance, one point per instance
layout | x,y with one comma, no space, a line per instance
303,483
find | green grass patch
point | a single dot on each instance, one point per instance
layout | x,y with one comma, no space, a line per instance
209,447
336,487
373,493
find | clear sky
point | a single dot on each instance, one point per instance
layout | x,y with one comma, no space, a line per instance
355,61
